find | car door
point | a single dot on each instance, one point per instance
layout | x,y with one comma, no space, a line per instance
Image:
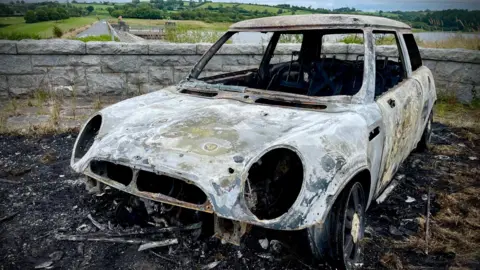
424,78
400,107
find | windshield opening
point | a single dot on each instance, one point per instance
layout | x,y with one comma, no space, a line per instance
316,63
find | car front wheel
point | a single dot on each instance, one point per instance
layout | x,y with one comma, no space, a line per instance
339,239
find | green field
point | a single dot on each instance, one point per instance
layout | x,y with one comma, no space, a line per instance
17,25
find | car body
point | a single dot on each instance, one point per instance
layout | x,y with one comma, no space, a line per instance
256,147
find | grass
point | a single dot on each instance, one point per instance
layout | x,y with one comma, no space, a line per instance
451,113
15,28
456,41
454,225
97,38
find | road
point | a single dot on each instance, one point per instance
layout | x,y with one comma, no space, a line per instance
98,29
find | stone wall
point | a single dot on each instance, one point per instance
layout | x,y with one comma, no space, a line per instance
113,68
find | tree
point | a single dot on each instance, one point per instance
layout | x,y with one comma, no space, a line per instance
90,9
41,15
54,15
135,2
30,17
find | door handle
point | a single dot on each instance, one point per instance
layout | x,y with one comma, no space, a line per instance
391,102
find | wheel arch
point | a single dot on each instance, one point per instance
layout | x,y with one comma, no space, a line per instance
364,177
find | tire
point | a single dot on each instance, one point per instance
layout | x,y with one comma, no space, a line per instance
339,240
424,143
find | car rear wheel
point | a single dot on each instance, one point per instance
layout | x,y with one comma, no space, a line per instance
339,240
424,143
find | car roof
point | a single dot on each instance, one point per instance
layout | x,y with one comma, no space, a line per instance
317,21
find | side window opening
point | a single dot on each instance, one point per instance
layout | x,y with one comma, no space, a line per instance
413,52
389,66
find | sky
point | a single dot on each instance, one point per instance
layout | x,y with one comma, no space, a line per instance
371,5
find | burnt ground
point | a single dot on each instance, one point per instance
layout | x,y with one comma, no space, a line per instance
40,197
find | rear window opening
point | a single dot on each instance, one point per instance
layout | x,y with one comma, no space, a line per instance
307,62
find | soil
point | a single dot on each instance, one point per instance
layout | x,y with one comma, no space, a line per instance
40,197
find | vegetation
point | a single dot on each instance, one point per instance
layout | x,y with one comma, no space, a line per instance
456,41
57,32
97,38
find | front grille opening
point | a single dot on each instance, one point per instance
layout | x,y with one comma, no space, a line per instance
168,186
115,172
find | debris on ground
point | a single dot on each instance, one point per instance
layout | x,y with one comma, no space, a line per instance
54,207
263,243
410,199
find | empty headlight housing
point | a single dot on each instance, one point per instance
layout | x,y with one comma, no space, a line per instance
87,137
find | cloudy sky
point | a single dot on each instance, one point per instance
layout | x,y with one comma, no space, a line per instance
374,4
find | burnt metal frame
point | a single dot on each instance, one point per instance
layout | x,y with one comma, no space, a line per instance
360,97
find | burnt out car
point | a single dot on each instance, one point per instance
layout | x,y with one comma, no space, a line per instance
306,140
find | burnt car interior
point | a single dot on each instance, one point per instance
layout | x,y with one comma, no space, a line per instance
311,69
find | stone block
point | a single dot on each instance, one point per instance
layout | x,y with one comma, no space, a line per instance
230,60
458,72
387,50
51,46
15,64
21,85
241,49
463,92
61,76
169,60
120,63
65,60
67,76
3,86
8,47
202,48
96,47
476,92
161,76
432,65
454,55
133,89
137,78
171,49
286,49
106,83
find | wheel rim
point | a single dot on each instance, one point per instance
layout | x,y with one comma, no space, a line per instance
353,226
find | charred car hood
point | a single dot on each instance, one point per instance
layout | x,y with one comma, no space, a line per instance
213,142
195,135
